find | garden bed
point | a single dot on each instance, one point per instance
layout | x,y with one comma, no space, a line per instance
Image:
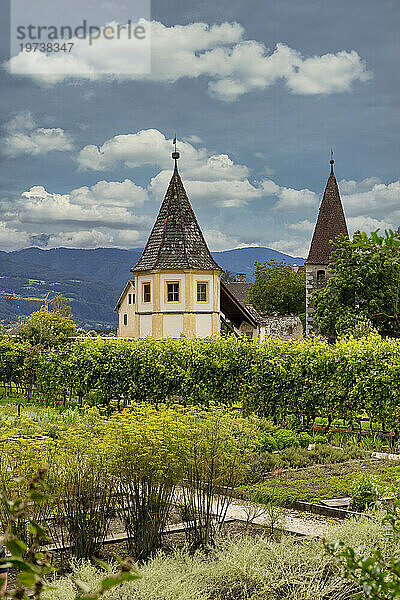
320,482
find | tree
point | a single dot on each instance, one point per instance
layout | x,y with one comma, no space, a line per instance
228,277
46,328
278,288
61,306
363,291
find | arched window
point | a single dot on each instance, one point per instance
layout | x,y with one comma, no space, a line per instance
320,275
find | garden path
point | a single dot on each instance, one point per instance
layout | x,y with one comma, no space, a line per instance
292,521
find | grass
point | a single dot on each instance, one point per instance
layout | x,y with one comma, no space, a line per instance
317,483
244,569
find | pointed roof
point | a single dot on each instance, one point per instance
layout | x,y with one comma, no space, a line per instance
176,241
331,222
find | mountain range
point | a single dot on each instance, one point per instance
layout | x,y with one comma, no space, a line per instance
92,280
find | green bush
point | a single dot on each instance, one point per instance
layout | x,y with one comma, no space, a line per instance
304,438
365,492
285,438
273,379
320,439
266,442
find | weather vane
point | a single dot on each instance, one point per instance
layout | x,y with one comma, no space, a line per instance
175,154
331,161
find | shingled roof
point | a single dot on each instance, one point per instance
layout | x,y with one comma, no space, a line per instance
331,222
176,241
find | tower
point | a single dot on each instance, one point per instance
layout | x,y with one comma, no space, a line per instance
331,223
176,286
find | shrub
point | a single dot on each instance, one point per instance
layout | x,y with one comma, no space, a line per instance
320,439
365,492
304,438
215,462
296,457
243,568
266,442
285,438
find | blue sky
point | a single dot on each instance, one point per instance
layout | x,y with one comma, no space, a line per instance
257,93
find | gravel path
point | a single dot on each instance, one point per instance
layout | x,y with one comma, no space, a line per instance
293,521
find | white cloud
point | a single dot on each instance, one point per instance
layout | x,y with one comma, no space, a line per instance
232,65
368,224
106,204
348,187
25,138
293,247
217,240
291,199
22,121
151,147
326,74
210,179
305,226
110,193
377,200
222,193
90,238
12,239
80,239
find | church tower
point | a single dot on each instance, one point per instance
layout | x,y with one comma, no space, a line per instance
331,223
176,286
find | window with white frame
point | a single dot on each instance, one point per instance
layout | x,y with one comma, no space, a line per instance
172,291
202,288
146,292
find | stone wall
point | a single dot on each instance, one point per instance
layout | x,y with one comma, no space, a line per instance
283,327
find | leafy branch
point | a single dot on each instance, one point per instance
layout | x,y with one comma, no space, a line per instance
33,564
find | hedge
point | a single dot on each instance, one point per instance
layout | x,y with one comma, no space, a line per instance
272,378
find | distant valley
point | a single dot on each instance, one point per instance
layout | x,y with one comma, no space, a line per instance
92,280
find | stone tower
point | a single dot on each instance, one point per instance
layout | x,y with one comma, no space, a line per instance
331,223
176,285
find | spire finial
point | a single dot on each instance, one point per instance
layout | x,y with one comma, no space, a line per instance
175,154
331,161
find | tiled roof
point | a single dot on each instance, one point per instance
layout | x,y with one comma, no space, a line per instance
259,319
235,310
331,222
176,241
239,289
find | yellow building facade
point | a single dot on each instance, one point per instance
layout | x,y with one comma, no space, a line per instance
175,288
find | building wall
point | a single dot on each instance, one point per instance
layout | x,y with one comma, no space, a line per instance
161,318
313,284
127,309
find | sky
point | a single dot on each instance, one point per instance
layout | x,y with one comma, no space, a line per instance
256,92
